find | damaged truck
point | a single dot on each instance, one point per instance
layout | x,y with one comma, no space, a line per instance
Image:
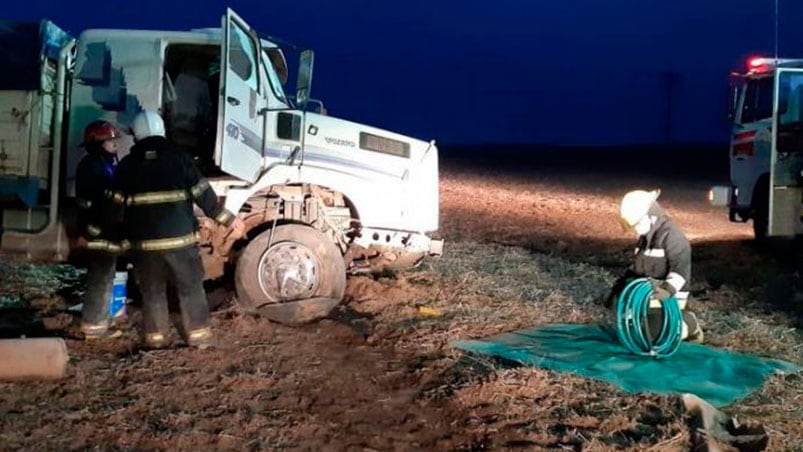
321,197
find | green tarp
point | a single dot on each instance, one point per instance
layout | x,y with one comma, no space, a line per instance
718,376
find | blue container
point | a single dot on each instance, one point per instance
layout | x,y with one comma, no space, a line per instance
117,302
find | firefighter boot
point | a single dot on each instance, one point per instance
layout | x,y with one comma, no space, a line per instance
155,341
692,331
94,332
200,338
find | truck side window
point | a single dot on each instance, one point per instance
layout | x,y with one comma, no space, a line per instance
242,56
758,100
790,113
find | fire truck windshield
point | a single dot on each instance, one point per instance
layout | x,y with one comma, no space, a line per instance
757,99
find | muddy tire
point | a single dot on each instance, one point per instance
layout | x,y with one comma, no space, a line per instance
301,277
761,211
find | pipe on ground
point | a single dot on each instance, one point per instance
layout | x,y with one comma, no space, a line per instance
33,359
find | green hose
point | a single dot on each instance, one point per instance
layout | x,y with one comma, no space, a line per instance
631,321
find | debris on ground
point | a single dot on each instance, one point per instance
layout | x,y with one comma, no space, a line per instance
26,284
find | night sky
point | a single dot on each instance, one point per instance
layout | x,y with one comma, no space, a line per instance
565,72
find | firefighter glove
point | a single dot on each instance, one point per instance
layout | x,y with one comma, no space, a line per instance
661,289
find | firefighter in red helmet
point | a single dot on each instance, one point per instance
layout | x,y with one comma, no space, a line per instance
97,220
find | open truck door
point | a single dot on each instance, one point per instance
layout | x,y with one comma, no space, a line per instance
241,122
786,163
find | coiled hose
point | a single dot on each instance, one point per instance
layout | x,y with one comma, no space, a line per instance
632,324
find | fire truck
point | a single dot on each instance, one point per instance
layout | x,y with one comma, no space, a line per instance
766,149
320,196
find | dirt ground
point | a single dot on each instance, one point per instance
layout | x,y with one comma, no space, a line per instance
526,244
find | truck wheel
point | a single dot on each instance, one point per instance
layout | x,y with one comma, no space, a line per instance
295,276
761,212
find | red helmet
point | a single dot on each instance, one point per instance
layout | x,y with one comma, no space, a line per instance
99,131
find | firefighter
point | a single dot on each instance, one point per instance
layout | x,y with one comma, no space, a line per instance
158,185
97,226
663,254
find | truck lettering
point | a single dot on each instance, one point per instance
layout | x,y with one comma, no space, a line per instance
340,142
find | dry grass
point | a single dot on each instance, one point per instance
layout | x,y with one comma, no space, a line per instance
538,408
21,281
387,379
486,289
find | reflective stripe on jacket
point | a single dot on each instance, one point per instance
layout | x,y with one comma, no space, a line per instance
664,253
157,185
97,216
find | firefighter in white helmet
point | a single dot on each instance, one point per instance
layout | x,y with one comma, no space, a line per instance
663,255
158,184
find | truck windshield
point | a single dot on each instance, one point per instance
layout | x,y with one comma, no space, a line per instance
758,99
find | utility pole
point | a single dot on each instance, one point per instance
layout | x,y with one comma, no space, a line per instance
777,20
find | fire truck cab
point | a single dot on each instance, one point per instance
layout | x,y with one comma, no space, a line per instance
765,152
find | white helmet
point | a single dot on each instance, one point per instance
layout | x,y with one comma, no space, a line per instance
635,206
146,124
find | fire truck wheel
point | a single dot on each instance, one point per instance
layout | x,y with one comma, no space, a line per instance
761,212
293,275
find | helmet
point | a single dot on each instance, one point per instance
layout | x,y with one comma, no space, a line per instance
99,131
635,206
146,124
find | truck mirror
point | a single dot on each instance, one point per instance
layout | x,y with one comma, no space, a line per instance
304,82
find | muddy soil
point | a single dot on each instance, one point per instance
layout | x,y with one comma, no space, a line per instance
379,375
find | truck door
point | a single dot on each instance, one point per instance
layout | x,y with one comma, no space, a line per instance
750,138
786,162
240,141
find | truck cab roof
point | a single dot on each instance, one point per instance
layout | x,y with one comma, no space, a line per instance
759,66
196,35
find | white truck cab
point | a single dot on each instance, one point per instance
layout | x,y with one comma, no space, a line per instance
321,196
753,146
